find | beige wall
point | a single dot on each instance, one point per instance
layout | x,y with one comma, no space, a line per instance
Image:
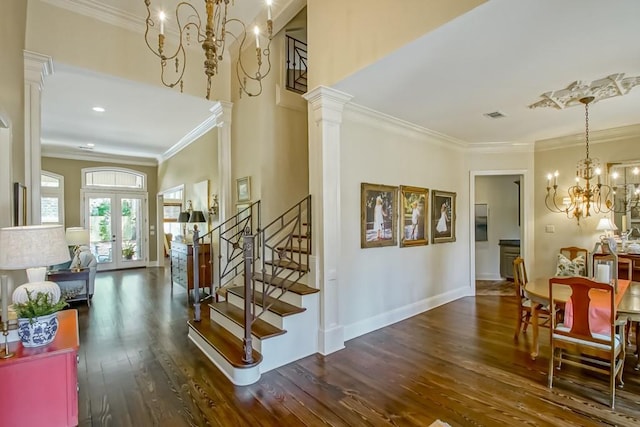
196,163
85,42
270,143
567,232
72,172
346,36
12,36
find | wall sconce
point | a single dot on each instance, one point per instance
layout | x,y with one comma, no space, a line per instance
213,210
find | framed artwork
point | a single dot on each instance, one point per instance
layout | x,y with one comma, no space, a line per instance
413,216
481,215
443,216
19,204
378,210
243,189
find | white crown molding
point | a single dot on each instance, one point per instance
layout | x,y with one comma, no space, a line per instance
61,153
197,132
377,119
502,147
102,12
595,137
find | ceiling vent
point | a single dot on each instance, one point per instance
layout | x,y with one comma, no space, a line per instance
85,148
495,115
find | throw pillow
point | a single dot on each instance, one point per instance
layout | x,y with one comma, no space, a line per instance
567,267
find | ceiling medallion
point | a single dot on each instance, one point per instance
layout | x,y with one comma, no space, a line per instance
607,87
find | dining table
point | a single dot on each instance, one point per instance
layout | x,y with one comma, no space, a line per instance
538,292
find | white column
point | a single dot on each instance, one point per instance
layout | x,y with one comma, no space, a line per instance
223,112
36,68
325,116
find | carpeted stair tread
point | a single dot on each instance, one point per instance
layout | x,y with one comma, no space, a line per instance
260,328
291,265
296,288
227,344
278,307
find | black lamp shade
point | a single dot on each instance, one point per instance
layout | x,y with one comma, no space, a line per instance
197,216
183,217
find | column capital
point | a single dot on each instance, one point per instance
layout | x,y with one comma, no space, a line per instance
36,67
222,110
327,103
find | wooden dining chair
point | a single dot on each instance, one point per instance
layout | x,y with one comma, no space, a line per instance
576,344
525,305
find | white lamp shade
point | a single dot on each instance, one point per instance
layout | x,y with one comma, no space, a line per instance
605,224
77,236
32,246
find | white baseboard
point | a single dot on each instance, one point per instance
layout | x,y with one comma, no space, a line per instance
385,319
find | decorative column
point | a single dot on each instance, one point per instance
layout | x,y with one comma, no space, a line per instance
325,116
36,68
223,112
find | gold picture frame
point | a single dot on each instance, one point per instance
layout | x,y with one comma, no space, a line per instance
443,216
19,204
378,211
413,223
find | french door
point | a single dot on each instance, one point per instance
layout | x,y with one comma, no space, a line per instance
117,228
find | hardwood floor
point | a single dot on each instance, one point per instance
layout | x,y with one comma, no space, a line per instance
457,363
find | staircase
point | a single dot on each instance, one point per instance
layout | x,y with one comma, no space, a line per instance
268,317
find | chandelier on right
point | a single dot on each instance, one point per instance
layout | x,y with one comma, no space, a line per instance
213,35
589,194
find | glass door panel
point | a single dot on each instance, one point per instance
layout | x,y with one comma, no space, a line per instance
116,228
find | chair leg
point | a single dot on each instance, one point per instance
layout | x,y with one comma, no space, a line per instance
527,321
518,326
550,376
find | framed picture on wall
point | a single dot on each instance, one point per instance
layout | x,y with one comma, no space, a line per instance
19,204
443,216
413,216
243,189
378,211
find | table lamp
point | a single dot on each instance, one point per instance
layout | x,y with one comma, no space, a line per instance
197,217
76,237
183,218
33,247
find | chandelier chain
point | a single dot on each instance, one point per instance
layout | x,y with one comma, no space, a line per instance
586,120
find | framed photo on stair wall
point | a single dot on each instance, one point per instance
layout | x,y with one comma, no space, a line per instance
443,216
378,212
413,216
243,189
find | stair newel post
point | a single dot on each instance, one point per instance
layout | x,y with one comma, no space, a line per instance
196,275
248,274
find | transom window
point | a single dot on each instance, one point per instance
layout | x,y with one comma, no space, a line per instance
113,178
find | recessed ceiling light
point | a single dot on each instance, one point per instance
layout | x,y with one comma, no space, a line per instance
90,144
98,109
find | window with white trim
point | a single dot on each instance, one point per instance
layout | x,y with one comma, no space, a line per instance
51,198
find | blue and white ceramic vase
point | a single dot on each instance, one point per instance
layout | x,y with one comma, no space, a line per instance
38,331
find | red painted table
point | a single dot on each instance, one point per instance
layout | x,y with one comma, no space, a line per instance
39,386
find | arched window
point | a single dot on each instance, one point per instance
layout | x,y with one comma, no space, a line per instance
117,178
51,198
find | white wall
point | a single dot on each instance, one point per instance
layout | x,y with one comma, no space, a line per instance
500,194
379,286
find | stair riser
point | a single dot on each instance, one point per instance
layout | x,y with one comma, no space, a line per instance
237,376
301,339
268,316
288,297
234,328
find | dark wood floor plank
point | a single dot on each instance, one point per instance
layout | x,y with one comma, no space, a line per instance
458,363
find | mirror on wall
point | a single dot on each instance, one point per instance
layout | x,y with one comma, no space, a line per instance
624,178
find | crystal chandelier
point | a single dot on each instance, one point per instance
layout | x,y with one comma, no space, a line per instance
588,194
213,36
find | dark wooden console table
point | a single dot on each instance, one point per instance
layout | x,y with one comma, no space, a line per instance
69,275
39,385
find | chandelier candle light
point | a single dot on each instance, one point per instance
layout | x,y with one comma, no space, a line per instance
583,197
213,39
